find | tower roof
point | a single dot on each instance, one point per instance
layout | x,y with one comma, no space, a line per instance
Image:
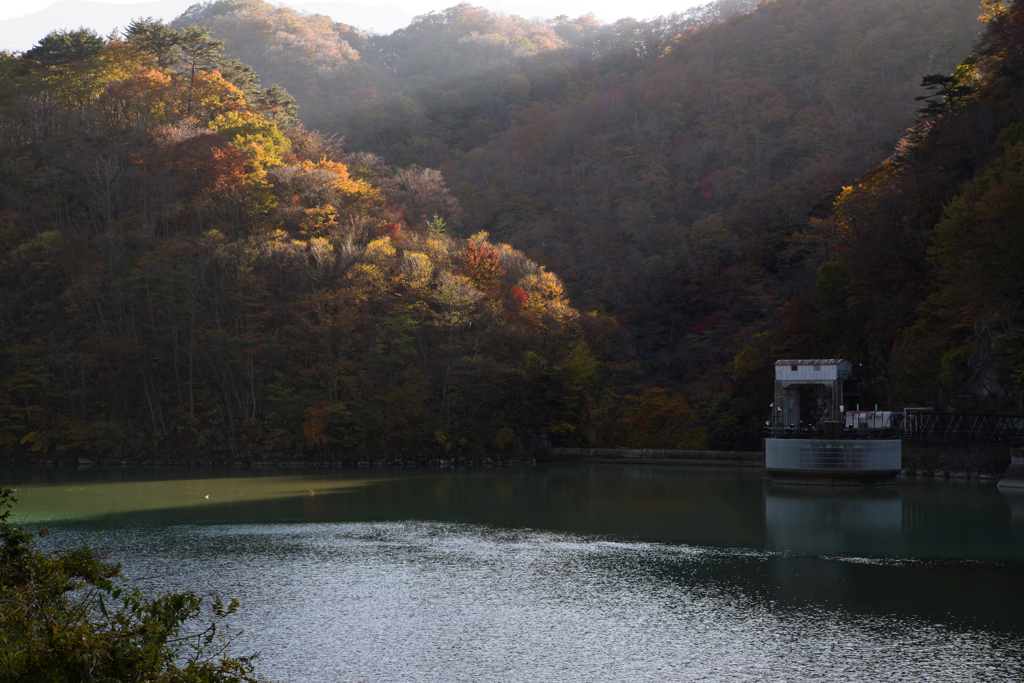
810,361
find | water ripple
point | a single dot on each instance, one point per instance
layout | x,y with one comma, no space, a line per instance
435,601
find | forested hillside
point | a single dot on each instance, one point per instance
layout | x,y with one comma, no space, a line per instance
675,173
925,279
182,273
678,197
187,265
450,78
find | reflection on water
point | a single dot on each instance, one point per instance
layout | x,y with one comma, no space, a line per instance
563,573
1015,498
50,495
834,520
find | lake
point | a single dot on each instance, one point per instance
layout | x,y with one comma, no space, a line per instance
567,573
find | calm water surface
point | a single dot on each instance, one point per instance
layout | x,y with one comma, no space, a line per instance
569,573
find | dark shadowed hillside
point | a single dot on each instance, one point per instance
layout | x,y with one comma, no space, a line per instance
924,278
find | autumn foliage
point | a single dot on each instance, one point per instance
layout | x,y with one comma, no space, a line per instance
179,272
610,231
481,264
678,174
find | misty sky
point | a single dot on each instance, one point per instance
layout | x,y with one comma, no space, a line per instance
606,10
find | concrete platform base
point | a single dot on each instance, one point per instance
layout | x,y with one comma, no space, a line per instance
832,477
833,462
1013,478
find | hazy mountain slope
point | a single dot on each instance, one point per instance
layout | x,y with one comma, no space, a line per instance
749,125
374,18
678,196
447,74
315,58
671,171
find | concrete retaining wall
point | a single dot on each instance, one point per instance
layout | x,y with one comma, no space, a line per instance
653,456
917,456
955,457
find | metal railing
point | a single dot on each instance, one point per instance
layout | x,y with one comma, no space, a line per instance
921,425
945,426
819,433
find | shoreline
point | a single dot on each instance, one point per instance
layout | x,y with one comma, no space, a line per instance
921,465
653,456
550,455
199,463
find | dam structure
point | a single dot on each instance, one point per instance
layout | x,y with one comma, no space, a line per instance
812,439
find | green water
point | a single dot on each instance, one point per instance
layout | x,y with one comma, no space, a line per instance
578,573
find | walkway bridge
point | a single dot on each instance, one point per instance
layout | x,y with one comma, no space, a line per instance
919,424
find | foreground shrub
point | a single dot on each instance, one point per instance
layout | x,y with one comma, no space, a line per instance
68,616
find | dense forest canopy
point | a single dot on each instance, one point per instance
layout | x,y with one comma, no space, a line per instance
939,225
182,269
186,264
